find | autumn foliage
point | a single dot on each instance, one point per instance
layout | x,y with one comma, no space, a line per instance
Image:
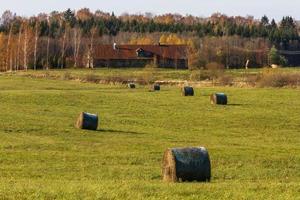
68,39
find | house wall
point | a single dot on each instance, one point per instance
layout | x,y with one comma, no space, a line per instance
162,63
122,63
175,64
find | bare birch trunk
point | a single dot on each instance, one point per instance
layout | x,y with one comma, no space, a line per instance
75,47
77,42
78,47
35,45
11,61
15,62
8,59
91,58
63,49
48,45
25,49
18,51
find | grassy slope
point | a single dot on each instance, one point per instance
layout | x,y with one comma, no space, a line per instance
254,143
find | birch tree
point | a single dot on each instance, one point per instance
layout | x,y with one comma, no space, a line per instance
19,46
36,38
25,46
64,45
2,51
8,48
76,46
48,43
91,49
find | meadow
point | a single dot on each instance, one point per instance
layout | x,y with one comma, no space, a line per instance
155,73
254,142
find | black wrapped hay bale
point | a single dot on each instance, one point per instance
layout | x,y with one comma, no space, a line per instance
218,98
87,121
188,91
186,164
131,85
156,87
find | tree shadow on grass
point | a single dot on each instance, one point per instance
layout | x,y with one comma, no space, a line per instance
120,132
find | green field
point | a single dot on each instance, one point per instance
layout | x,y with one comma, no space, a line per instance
254,142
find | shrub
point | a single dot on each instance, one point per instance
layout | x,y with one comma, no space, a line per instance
66,76
279,79
195,75
215,70
149,73
116,79
226,80
92,78
276,58
252,80
283,61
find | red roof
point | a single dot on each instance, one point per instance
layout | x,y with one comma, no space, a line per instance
127,52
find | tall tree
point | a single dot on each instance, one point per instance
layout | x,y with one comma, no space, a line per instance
8,49
48,43
25,45
77,42
36,38
19,47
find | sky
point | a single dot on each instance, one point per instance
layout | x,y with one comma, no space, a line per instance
202,8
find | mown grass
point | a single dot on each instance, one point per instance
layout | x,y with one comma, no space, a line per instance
254,142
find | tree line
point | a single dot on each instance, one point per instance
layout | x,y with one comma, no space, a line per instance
64,39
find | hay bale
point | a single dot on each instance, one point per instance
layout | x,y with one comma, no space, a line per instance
187,91
186,164
155,87
131,85
218,98
87,121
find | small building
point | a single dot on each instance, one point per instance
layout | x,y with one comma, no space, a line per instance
164,56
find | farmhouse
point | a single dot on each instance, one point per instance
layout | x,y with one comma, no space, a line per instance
164,56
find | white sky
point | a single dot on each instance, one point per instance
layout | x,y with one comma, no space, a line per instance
257,8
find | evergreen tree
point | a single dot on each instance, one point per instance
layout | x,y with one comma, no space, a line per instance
274,56
69,17
264,21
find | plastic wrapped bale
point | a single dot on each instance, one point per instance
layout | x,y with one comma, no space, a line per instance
188,91
131,86
87,121
186,164
156,87
218,98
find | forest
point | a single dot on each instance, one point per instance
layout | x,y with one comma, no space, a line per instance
67,39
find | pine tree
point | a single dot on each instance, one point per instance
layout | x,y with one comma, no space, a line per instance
70,18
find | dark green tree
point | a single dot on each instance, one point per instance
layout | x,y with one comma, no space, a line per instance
69,17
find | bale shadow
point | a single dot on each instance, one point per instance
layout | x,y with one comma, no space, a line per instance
120,132
205,95
236,104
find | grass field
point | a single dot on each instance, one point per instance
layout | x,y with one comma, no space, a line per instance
254,142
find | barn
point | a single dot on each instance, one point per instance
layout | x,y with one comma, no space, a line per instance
164,56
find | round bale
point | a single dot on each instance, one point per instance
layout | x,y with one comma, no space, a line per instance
186,164
155,87
87,121
131,85
188,91
218,98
